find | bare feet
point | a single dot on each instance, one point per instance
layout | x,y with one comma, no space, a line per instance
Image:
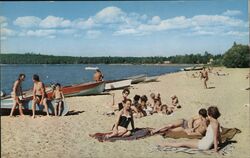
33,116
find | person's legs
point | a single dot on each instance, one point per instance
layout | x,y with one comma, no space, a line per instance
188,143
13,107
56,105
34,102
205,83
60,108
176,124
20,108
46,106
121,131
128,133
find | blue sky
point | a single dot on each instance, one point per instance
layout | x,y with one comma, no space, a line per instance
130,28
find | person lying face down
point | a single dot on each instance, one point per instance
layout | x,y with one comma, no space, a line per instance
212,137
196,126
166,110
125,117
175,101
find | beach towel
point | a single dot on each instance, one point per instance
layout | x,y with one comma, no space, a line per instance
227,150
226,134
138,133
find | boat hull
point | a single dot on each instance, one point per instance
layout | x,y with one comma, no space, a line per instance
151,79
27,105
137,79
117,84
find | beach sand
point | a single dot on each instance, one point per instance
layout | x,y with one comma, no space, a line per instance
68,136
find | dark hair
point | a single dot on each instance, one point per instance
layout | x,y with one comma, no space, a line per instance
203,112
20,75
126,90
136,97
129,100
164,105
36,77
58,84
213,111
98,70
144,98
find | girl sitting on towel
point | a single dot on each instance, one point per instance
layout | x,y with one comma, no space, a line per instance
211,138
125,117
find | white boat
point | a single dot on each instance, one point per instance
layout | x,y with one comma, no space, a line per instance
151,79
91,68
194,68
118,84
138,78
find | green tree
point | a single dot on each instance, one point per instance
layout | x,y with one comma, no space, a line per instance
237,56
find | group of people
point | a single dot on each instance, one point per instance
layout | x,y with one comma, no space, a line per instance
205,124
39,96
141,106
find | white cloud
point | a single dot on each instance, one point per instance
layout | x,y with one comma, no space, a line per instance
232,12
3,19
41,33
237,33
3,38
92,34
54,22
27,21
84,24
110,15
155,20
7,32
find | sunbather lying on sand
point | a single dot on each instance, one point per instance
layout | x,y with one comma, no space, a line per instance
195,126
212,136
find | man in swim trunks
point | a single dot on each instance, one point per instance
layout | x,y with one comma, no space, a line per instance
39,95
204,75
17,94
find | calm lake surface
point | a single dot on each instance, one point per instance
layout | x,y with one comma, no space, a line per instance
73,74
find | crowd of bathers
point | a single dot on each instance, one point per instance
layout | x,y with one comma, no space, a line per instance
143,106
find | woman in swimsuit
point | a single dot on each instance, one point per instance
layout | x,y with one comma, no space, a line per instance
125,117
193,128
39,95
212,136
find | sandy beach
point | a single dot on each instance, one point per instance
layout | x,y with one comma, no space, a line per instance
68,136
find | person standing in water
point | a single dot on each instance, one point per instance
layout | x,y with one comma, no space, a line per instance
39,95
17,94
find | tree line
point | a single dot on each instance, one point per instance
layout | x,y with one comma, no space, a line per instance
236,56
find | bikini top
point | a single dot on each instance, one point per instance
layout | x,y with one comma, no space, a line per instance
124,121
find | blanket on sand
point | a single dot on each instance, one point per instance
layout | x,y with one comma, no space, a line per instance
138,133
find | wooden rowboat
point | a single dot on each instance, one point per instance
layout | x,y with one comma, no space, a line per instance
138,78
117,84
27,105
194,68
91,88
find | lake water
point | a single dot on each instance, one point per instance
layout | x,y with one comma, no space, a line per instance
73,74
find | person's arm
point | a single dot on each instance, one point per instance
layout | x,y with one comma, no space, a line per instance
132,122
190,122
117,120
43,93
215,130
62,95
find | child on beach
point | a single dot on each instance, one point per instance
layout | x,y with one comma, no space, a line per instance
136,101
166,110
175,101
144,109
156,102
59,99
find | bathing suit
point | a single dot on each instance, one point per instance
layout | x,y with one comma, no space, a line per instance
207,141
58,100
40,96
124,121
185,124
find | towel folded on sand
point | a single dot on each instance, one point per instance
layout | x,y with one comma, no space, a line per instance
226,134
136,134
